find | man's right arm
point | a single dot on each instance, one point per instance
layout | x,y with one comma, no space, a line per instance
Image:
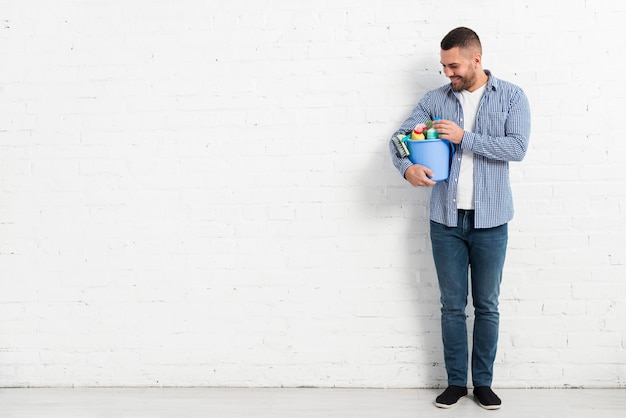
415,174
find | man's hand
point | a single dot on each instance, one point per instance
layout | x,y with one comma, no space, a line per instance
446,129
418,175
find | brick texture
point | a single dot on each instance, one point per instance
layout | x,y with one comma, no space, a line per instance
199,193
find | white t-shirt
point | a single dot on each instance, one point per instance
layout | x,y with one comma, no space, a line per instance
465,189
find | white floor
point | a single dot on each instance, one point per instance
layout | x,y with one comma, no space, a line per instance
295,403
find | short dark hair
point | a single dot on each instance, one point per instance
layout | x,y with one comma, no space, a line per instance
462,37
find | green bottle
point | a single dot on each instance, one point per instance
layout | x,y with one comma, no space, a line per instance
431,133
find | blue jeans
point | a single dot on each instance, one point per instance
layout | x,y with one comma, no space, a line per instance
482,251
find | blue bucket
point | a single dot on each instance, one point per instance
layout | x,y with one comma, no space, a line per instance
435,154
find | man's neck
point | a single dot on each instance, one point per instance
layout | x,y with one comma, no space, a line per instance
481,80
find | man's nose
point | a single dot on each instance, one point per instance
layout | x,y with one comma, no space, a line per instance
448,72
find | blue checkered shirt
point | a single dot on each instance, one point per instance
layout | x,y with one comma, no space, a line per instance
501,134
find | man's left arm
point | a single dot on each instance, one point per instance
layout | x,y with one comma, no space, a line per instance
507,135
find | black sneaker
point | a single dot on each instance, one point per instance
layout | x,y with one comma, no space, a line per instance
450,396
486,398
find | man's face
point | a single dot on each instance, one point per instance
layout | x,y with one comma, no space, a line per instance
460,66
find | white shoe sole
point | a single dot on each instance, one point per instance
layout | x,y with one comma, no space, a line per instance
445,406
490,407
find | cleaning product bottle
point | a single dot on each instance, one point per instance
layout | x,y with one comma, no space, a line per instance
430,132
418,132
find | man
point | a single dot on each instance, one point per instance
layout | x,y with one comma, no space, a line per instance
488,120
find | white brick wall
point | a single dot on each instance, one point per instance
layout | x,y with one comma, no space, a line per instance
199,193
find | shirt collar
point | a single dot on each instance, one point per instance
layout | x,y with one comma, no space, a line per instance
492,83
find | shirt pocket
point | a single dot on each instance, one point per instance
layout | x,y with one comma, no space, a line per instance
496,123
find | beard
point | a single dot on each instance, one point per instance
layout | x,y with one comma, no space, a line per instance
463,83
